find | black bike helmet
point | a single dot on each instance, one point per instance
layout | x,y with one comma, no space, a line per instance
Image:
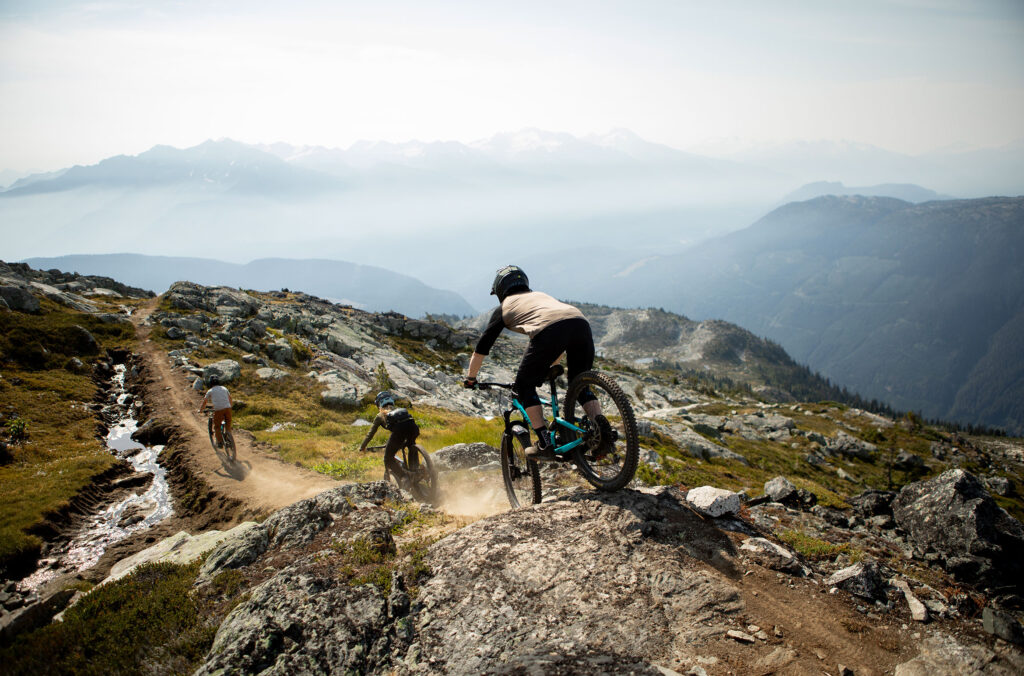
507,279
384,398
212,381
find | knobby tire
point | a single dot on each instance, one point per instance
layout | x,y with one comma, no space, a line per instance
427,488
521,475
616,469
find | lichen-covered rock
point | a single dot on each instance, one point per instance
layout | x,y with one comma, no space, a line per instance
179,548
19,299
908,462
850,446
779,489
713,501
225,370
861,579
464,456
267,373
873,502
954,517
295,525
774,556
297,622
341,395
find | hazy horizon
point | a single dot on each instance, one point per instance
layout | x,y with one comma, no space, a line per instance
84,81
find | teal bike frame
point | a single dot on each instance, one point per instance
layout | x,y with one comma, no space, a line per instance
560,423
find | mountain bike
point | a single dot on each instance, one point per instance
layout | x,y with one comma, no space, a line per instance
605,453
225,434
422,482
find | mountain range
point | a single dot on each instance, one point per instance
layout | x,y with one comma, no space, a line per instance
362,286
616,197
918,305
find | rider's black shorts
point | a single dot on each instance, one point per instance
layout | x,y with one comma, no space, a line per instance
571,336
403,435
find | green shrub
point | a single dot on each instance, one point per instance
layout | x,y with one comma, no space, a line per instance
17,430
815,549
127,626
352,468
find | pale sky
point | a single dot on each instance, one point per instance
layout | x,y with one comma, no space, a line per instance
81,81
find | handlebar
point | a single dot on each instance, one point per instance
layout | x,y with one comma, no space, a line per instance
488,386
376,448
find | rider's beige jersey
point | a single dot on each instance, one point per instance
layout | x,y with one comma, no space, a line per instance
533,311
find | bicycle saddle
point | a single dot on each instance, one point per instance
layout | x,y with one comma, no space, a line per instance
555,371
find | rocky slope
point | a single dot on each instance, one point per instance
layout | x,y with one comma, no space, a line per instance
851,540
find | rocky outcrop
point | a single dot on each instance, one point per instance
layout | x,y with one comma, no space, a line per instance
952,519
508,594
295,525
520,586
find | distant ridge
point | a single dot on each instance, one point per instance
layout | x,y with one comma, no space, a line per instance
363,286
908,192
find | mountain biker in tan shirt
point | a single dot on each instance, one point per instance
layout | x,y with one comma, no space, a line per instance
554,328
219,399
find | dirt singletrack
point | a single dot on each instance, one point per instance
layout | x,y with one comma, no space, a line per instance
258,480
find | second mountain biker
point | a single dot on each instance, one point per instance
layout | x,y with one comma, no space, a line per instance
404,431
554,328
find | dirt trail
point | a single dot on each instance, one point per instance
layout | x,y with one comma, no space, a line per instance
258,480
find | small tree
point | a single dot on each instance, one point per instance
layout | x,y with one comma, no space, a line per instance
17,430
381,378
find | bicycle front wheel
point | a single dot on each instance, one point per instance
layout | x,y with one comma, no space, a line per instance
610,451
521,475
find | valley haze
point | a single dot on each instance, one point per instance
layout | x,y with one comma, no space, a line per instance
619,220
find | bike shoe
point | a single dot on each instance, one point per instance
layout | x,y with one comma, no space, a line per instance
606,437
540,452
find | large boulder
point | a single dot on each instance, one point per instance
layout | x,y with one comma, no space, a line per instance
179,548
225,370
281,352
780,489
713,501
851,447
861,579
340,395
953,519
19,299
873,503
464,456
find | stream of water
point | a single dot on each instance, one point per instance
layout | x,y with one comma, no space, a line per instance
118,521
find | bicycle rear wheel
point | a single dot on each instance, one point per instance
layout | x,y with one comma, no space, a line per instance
229,444
423,483
610,451
521,475
213,438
